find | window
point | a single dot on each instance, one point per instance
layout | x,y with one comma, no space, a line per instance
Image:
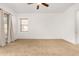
5,23
23,24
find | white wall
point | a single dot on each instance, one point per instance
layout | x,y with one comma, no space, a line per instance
48,26
42,26
72,15
69,25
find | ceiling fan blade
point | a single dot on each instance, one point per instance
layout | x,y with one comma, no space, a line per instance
45,4
37,7
29,3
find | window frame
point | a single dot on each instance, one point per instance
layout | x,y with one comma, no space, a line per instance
7,24
21,25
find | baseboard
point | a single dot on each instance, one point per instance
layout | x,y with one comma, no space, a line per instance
71,42
36,39
44,39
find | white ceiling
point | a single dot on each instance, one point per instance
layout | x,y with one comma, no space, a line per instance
25,8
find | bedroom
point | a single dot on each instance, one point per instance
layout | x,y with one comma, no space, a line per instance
34,31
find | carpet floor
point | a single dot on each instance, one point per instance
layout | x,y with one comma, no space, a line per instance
33,47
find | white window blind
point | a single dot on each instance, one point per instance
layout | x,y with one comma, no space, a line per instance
23,24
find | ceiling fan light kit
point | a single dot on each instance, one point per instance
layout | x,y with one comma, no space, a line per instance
38,4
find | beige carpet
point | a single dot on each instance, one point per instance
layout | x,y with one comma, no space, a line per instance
40,48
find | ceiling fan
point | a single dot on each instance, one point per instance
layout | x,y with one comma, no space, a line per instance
38,4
